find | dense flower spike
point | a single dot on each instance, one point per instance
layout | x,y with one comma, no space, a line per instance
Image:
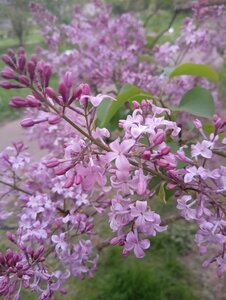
90,171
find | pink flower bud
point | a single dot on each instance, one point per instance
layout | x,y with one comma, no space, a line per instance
159,138
165,151
8,61
27,123
135,104
146,155
63,91
51,93
11,53
69,182
68,79
34,59
18,102
24,80
78,179
171,186
54,119
8,85
62,171
21,62
2,259
117,241
11,237
8,73
32,101
177,194
162,163
217,122
85,89
9,254
197,124
21,51
47,72
52,163
31,69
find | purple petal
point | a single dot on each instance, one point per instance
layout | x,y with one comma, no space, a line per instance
145,244
138,251
126,145
122,162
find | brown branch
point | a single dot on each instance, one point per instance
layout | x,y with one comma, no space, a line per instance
171,219
14,187
189,6
166,29
157,7
220,153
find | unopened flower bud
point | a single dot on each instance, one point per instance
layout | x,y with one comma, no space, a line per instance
47,72
63,91
27,123
21,62
197,124
68,79
78,179
52,163
69,182
21,51
8,85
117,241
9,254
165,151
135,104
11,53
162,163
24,80
62,171
143,103
171,186
32,101
146,155
18,102
8,61
31,69
159,138
54,119
11,237
51,93
217,122
8,73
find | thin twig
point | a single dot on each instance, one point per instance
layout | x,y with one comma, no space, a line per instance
15,187
166,29
189,6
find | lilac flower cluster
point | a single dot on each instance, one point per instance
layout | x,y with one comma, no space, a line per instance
108,50
103,47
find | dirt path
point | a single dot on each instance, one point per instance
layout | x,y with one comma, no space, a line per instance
12,131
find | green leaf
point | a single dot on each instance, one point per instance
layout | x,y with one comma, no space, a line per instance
128,93
208,128
102,108
150,41
161,193
146,57
195,70
198,101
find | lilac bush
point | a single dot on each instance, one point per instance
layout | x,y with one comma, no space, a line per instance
92,172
